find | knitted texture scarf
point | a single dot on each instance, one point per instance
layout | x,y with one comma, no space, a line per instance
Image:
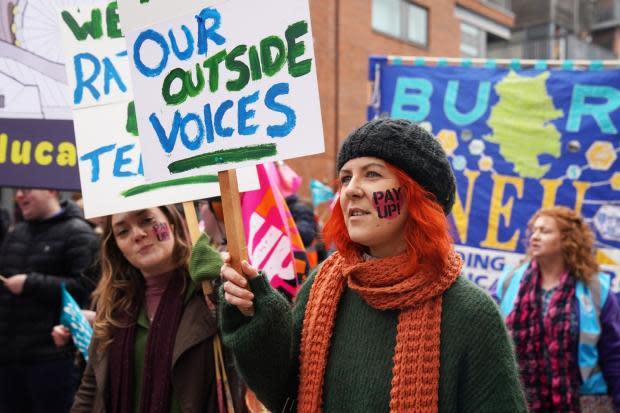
543,344
384,285
156,383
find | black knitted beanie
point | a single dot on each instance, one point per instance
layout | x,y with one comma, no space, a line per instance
408,147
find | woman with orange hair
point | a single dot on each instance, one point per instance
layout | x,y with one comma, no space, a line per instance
386,323
564,321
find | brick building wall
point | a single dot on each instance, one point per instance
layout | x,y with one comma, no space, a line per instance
343,41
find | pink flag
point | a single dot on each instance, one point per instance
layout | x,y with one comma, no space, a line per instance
287,179
274,244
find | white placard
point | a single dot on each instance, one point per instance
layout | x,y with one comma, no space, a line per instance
138,14
111,172
96,55
229,85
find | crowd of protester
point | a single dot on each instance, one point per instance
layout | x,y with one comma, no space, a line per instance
383,322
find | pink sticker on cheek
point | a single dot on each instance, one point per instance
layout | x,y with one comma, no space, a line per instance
161,231
387,203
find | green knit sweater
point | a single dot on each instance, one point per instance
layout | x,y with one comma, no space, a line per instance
477,372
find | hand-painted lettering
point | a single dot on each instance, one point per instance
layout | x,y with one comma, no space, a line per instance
93,157
205,33
280,131
92,80
249,63
234,65
267,59
216,120
189,41
121,159
94,26
80,81
159,40
131,125
297,49
117,164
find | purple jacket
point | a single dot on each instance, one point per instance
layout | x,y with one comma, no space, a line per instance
608,345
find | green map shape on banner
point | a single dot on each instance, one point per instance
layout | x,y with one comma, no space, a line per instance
521,123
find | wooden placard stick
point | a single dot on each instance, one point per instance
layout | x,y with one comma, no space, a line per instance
207,289
192,221
233,221
194,234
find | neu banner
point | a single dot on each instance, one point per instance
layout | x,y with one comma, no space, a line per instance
518,140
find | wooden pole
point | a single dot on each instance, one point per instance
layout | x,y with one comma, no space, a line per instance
194,234
237,247
233,221
207,289
192,221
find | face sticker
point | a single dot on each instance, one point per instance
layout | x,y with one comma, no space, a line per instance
161,230
387,203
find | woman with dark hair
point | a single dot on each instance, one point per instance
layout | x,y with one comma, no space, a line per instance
152,348
563,319
386,323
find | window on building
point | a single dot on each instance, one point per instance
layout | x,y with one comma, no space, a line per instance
417,24
401,19
386,16
604,11
472,41
504,4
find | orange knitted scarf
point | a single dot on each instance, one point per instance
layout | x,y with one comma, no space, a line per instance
384,285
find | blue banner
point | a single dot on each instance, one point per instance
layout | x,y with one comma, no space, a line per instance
518,140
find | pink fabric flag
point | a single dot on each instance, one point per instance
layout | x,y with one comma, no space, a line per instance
287,179
274,244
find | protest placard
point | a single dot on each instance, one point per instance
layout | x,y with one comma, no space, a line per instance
111,171
221,87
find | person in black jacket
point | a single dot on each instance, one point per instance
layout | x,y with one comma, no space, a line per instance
53,245
5,223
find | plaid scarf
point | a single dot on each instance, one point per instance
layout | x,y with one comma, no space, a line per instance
544,344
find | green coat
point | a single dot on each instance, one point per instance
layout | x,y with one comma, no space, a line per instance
478,370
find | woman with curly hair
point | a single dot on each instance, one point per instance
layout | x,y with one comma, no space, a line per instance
386,323
152,348
564,321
